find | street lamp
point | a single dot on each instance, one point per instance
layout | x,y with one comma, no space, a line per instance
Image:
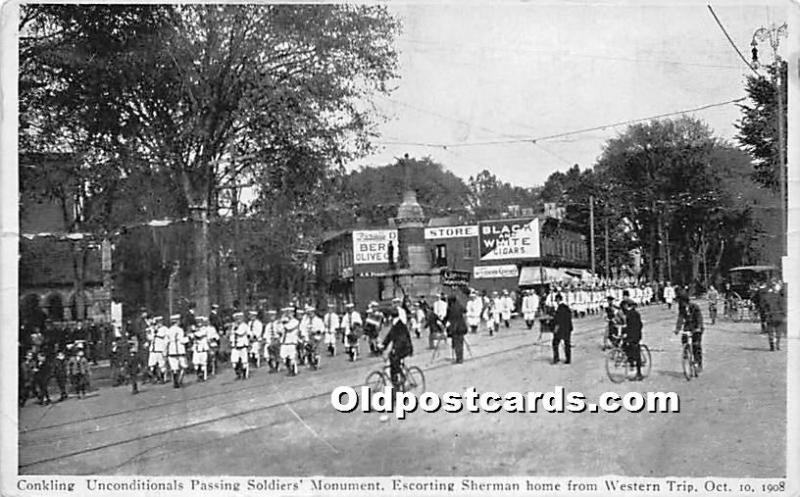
773,34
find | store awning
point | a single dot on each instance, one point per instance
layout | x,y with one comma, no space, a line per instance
534,275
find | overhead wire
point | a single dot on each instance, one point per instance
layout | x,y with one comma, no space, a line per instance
730,40
533,140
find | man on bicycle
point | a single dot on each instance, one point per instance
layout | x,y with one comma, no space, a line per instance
690,319
402,347
633,335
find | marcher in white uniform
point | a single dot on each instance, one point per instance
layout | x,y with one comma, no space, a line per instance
352,324
256,337
176,350
156,360
331,323
273,331
240,346
290,340
669,295
530,304
474,310
200,348
212,337
507,308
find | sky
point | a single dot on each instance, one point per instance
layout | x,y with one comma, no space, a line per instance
478,72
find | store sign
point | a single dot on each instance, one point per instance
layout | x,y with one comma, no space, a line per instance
500,271
509,239
451,232
372,246
455,278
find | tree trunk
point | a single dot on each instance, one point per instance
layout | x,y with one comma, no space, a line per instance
197,196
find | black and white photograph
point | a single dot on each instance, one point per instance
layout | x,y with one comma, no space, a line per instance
414,248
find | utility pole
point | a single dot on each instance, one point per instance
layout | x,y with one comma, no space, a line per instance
773,34
608,266
591,231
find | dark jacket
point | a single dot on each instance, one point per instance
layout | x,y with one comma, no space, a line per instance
633,325
563,319
455,318
400,339
690,318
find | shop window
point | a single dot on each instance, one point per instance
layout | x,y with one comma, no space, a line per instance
441,255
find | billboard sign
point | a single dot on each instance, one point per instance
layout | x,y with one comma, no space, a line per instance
499,271
452,277
372,246
509,239
443,232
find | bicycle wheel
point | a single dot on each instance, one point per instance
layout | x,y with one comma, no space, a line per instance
376,381
688,362
647,364
415,380
617,365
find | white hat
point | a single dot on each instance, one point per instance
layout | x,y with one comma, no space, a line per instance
238,314
349,304
397,299
175,317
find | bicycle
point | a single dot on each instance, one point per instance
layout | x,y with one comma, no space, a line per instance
619,366
411,379
691,366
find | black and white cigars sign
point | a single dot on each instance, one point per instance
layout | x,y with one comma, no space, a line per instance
509,239
442,232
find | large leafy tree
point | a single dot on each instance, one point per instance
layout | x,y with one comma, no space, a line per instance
665,178
270,95
758,126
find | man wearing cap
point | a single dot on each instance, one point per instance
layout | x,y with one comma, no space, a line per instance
397,303
214,318
456,327
402,347
372,326
690,319
157,346
331,323
240,346
530,304
440,309
273,331
563,330
213,339
352,324
290,340
474,309
633,335
200,348
176,350
256,337
497,312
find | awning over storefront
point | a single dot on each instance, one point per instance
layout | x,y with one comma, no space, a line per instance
534,275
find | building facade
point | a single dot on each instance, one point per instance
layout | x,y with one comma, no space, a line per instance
423,257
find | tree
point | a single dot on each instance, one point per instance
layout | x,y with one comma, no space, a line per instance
758,126
490,197
373,193
664,178
212,95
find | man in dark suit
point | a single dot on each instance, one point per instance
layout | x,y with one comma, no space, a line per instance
456,326
633,335
402,347
563,329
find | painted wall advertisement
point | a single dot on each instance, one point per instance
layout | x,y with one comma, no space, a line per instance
372,246
509,239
